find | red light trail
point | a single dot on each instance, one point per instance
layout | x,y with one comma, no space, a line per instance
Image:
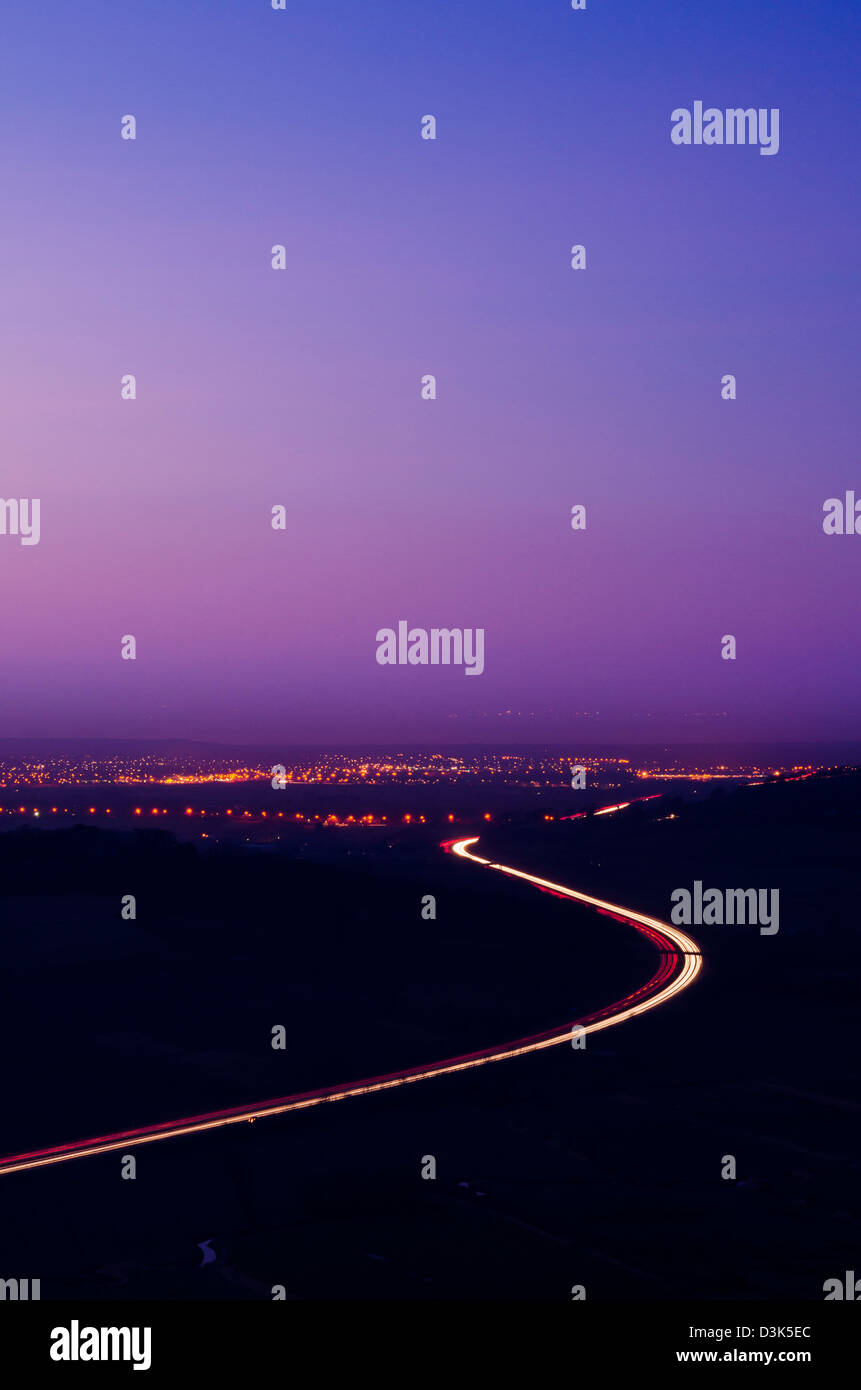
680,963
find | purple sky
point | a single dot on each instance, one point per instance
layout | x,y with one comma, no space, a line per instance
405,257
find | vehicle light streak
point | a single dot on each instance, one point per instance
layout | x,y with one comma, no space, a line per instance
680,963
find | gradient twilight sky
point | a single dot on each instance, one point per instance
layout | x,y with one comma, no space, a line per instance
406,257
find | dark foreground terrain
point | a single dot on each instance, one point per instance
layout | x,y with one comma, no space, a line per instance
599,1168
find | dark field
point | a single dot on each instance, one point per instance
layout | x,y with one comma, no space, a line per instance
599,1167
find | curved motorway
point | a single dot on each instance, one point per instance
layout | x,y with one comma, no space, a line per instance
680,963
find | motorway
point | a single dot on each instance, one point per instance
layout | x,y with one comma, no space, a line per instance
680,963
